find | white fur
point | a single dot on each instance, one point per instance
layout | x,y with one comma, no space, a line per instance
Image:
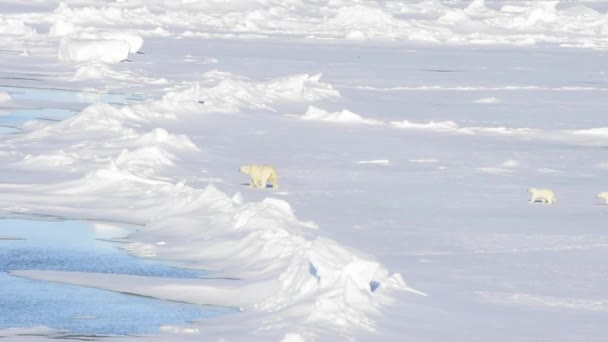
603,195
261,175
543,195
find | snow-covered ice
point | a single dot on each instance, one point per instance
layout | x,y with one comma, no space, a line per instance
405,134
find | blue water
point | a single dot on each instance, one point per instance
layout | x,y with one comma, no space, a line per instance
50,104
72,246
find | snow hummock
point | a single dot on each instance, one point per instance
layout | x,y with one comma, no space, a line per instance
487,100
134,40
15,27
345,116
5,97
375,161
223,92
506,168
105,50
449,126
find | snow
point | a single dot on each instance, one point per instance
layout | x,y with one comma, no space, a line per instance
5,97
15,27
344,116
405,134
375,161
105,50
487,100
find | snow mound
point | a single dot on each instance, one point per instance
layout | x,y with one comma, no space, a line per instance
134,40
486,100
94,70
15,27
448,126
511,163
97,119
60,158
5,97
159,137
364,22
62,28
109,51
455,17
375,161
112,180
145,160
105,15
344,116
97,70
227,93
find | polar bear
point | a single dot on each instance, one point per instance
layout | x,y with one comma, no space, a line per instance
603,195
542,195
260,175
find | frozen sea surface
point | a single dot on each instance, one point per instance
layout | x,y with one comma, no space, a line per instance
446,115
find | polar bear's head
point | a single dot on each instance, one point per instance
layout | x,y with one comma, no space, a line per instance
603,195
246,169
532,190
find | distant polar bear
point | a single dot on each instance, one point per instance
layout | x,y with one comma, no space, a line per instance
542,195
261,175
603,195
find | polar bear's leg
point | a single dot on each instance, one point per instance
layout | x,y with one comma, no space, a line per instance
274,180
533,199
275,183
253,184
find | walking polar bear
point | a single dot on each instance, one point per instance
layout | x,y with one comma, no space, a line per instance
603,195
261,175
542,195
